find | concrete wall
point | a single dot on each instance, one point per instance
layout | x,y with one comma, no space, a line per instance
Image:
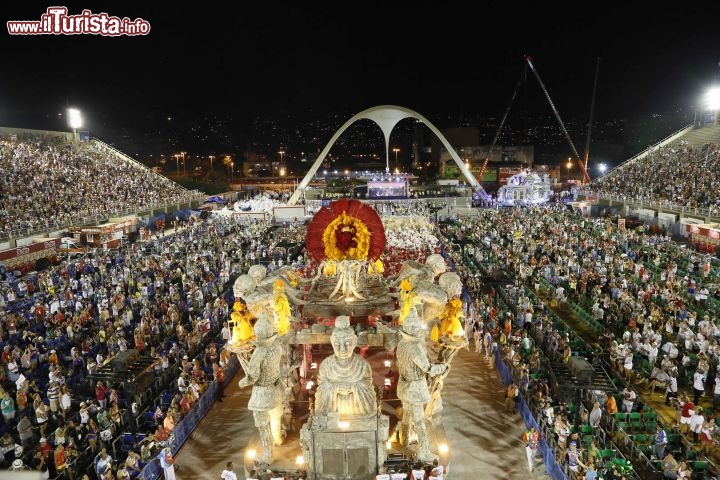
685,221
290,212
666,218
21,242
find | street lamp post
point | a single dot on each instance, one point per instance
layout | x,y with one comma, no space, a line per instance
396,150
211,161
282,161
569,166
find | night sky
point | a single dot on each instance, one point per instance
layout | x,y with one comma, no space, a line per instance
431,56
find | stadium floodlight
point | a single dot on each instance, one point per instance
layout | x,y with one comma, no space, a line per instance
602,167
74,118
712,99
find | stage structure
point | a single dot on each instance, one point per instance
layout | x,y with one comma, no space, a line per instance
332,356
386,117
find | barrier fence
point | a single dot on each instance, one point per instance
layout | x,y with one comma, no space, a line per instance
184,428
552,467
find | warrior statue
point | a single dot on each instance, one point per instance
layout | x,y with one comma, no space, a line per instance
434,265
412,389
263,373
257,289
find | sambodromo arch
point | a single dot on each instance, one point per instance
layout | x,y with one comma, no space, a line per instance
386,117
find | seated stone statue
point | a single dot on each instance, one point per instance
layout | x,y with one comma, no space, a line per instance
345,380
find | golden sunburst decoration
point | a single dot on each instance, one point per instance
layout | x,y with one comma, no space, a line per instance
345,230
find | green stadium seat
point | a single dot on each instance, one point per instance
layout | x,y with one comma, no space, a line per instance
605,455
700,469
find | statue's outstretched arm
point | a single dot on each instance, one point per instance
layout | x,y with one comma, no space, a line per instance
251,368
422,361
294,299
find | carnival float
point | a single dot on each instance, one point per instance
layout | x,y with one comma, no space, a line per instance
346,358
525,188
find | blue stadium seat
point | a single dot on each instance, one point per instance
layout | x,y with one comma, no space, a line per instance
127,442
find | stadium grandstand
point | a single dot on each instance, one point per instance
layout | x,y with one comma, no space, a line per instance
50,183
685,167
114,354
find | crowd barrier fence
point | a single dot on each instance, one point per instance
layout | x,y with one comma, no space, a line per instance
183,430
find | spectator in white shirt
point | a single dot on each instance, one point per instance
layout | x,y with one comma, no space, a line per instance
671,390
698,385
228,473
696,423
629,397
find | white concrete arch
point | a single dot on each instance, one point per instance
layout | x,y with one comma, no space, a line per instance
386,117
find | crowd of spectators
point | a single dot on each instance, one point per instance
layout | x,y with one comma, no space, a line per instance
655,302
50,184
651,303
682,176
166,297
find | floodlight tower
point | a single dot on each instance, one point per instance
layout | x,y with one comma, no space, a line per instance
712,101
74,121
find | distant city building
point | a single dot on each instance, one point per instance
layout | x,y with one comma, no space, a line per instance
466,141
260,166
520,156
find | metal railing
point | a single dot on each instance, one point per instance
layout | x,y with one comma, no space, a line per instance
440,201
54,226
659,205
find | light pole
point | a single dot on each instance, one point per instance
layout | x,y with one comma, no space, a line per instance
211,160
74,121
569,166
177,162
184,164
232,171
281,169
396,150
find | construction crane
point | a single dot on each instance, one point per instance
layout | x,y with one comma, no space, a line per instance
528,63
502,123
580,162
592,110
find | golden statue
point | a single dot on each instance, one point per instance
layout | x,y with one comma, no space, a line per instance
242,326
